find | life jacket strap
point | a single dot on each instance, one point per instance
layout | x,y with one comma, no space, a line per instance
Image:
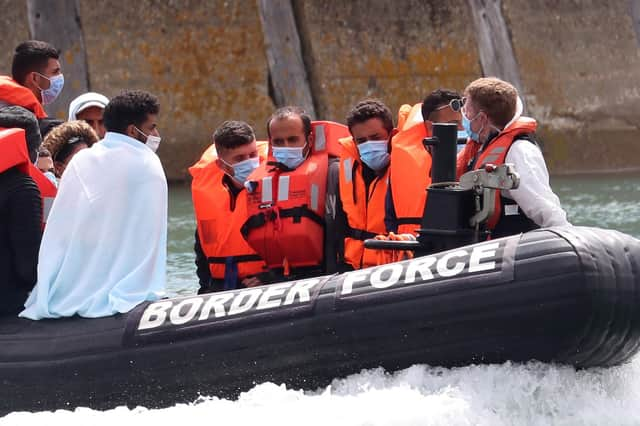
360,234
297,213
409,221
235,259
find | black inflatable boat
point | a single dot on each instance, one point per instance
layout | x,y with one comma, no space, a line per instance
558,295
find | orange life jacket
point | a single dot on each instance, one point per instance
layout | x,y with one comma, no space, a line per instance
364,211
496,152
327,135
286,209
465,157
219,218
13,149
410,172
13,93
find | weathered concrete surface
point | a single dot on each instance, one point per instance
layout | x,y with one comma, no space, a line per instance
15,29
59,23
284,55
494,44
580,66
578,60
635,16
204,60
397,51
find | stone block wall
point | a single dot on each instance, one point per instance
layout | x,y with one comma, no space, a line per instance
578,61
204,59
396,51
580,65
13,20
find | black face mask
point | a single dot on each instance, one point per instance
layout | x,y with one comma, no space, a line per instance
15,116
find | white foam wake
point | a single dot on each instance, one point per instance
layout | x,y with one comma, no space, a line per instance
529,394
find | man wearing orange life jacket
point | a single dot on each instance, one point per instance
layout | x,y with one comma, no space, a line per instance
292,219
498,134
410,169
364,163
36,77
224,260
20,222
15,116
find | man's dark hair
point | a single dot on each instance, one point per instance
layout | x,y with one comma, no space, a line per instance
30,56
232,134
15,116
129,107
368,109
437,98
291,111
43,153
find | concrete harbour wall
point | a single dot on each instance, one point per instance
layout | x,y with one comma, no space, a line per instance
577,61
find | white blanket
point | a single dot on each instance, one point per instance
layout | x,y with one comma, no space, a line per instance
105,244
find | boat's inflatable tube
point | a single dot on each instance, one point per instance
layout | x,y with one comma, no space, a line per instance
563,295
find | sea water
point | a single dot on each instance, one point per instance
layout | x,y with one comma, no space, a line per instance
507,394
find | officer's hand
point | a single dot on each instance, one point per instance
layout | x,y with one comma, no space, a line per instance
251,282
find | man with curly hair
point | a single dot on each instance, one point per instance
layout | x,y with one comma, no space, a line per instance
104,248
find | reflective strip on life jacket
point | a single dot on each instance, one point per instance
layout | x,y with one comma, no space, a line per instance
267,189
283,188
326,135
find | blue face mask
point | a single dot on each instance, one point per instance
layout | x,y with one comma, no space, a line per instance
243,169
466,123
374,154
55,87
290,157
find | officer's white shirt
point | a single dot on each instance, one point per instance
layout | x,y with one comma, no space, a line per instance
534,195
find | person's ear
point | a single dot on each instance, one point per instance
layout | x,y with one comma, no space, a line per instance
33,81
223,166
131,131
310,142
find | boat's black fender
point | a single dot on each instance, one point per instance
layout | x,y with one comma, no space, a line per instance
565,295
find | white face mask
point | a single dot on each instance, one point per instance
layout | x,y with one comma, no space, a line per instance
56,83
153,142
